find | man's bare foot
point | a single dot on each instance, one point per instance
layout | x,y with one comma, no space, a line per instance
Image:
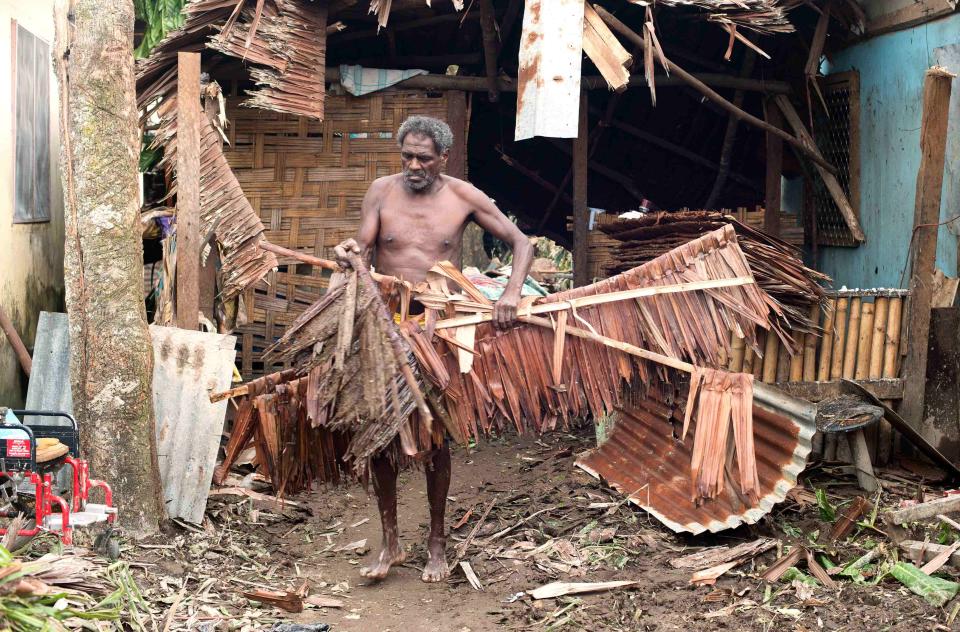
381,566
436,569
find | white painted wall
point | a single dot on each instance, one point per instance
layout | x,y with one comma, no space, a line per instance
31,255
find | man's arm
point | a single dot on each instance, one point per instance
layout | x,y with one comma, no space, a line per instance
366,239
492,219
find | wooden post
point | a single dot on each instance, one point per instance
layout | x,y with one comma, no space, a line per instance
581,214
491,47
771,213
933,144
188,190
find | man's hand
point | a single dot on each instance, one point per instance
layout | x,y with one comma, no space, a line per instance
344,247
505,310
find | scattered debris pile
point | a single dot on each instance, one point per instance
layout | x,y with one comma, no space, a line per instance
777,265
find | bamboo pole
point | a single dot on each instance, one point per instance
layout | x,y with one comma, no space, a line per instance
853,332
881,307
864,342
783,362
826,343
810,347
839,326
891,344
738,347
891,348
796,361
771,347
757,358
748,358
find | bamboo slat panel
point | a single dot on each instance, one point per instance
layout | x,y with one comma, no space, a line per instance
306,180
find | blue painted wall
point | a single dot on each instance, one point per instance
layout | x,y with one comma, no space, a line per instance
891,87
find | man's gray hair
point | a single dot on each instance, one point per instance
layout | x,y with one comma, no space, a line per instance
434,129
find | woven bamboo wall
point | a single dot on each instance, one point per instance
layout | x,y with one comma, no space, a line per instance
306,179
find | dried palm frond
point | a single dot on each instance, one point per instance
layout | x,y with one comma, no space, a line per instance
777,265
361,377
224,209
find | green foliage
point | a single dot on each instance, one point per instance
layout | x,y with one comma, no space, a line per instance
935,590
161,17
828,512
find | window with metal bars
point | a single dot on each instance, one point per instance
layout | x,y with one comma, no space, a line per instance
837,132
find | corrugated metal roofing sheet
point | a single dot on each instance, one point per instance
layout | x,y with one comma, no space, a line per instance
643,458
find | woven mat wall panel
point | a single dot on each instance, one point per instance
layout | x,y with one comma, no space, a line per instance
306,179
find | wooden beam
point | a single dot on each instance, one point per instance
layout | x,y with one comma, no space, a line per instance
342,37
491,48
774,176
534,176
425,61
581,214
817,391
683,152
730,135
509,84
829,179
933,145
682,75
914,13
188,191
623,180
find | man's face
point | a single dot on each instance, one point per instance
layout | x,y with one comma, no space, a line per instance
421,162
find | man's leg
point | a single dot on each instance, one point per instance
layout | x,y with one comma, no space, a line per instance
385,487
438,484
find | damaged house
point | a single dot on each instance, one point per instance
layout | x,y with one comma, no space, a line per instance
272,118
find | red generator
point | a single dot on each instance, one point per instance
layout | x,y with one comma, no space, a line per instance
43,476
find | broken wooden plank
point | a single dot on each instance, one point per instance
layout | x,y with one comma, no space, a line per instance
922,511
605,51
850,215
559,589
720,554
844,525
548,81
921,552
286,600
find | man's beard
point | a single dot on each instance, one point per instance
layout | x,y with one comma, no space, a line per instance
425,181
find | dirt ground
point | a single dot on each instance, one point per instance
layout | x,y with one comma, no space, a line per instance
548,522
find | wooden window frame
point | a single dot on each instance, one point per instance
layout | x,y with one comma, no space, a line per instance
15,26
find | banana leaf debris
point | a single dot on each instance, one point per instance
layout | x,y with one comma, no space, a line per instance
363,383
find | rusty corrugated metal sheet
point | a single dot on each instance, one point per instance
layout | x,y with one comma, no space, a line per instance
642,458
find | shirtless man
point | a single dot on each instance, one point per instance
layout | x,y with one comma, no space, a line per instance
409,222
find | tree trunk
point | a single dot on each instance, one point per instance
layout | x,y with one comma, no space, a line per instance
111,356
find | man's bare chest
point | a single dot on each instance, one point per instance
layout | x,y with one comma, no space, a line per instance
432,227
